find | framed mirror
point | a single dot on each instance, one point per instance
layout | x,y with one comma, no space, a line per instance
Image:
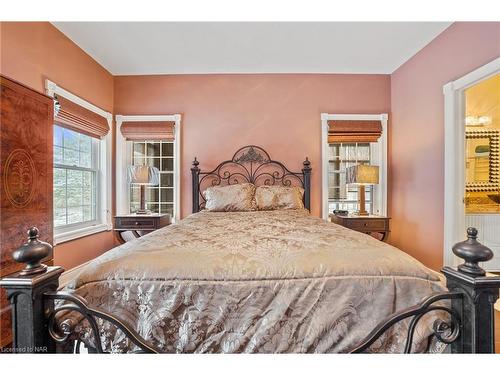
482,160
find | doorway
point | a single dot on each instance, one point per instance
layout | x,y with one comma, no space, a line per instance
472,185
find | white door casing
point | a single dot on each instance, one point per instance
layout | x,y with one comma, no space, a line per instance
454,165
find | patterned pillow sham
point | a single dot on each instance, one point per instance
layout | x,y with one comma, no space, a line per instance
238,197
279,198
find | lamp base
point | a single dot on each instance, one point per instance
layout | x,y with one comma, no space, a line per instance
142,208
361,201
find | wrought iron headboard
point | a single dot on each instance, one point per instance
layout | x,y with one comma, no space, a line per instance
249,164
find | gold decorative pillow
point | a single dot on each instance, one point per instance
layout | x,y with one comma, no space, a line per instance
238,197
279,197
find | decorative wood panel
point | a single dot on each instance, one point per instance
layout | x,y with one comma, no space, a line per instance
26,126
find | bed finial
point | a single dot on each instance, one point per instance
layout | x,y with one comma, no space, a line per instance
195,164
307,164
473,252
31,253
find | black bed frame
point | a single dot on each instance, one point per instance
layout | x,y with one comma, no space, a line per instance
468,306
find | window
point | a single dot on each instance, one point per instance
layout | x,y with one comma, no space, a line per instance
152,140
348,139
341,156
82,166
159,154
76,166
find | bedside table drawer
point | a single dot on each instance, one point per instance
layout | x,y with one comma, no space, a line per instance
372,224
136,223
366,224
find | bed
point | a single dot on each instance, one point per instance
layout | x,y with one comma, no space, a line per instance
279,281
263,281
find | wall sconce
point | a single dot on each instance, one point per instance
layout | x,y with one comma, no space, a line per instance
478,120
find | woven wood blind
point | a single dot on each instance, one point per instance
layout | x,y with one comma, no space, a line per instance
353,131
75,117
148,130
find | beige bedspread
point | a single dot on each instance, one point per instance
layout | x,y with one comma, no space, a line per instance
266,281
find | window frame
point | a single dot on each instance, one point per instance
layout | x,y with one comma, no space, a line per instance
378,152
123,160
103,220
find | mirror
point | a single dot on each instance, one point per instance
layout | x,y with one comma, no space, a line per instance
482,160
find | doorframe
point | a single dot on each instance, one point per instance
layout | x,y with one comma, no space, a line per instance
381,157
454,154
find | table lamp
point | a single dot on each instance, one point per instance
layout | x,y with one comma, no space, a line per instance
143,175
362,175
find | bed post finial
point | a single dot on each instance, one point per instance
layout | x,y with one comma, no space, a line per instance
480,292
195,164
25,292
195,174
306,174
31,253
472,251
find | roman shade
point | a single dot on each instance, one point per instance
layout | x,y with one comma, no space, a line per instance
148,130
353,131
80,119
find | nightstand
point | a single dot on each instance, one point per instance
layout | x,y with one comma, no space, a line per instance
139,225
371,224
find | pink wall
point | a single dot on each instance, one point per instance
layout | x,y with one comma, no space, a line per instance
34,51
280,112
416,158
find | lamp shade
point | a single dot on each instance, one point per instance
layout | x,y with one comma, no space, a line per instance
362,175
143,175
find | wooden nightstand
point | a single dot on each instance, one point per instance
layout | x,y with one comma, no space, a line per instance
366,224
139,225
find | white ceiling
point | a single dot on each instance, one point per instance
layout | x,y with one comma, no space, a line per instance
129,48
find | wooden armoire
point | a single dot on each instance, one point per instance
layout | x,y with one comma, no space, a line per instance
26,157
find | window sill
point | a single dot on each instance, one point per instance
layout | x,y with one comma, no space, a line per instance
78,233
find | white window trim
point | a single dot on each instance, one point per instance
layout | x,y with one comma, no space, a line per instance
380,190
103,217
122,161
454,156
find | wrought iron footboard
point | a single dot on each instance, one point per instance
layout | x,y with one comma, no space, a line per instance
444,331
37,305
60,333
